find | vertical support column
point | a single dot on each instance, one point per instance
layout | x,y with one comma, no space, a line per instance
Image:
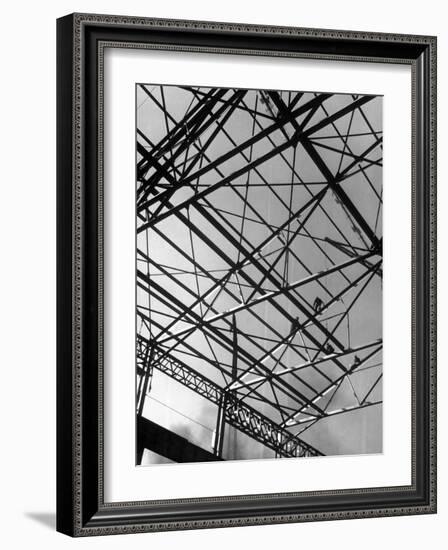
147,377
221,421
140,449
220,426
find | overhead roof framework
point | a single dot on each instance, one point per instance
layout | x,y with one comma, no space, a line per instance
259,257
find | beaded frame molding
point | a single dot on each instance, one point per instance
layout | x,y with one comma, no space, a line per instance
81,40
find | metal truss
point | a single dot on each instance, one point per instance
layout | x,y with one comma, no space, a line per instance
236,412
259,257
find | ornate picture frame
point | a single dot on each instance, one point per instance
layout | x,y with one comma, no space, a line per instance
82,509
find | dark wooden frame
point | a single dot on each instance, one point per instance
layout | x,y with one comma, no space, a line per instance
81,509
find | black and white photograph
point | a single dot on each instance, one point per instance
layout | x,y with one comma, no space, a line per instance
258,274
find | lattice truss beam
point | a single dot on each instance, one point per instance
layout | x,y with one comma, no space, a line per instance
259,255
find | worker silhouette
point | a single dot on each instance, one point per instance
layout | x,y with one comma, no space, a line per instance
329,349
295,325
318,305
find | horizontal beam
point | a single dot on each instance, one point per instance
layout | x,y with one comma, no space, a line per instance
269,295
166,443
319,360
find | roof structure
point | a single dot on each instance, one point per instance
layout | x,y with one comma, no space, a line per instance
259,269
